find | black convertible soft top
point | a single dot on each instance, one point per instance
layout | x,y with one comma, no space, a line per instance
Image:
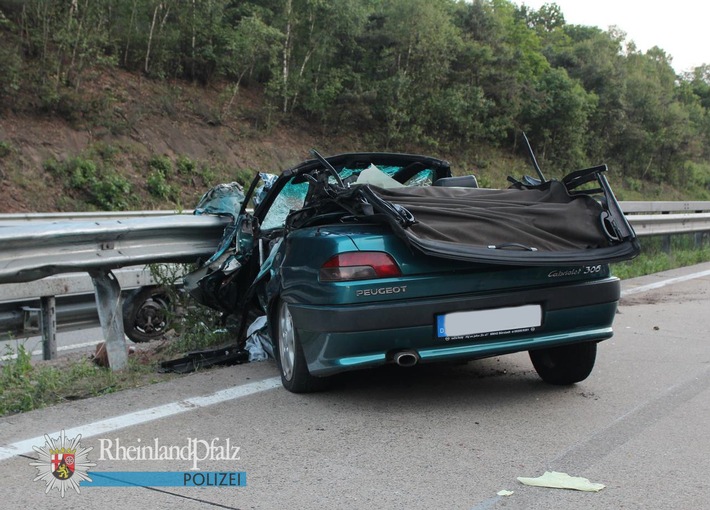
550,223
532,219
542,225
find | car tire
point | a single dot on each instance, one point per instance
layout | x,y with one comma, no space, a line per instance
146,313
295,375
564,365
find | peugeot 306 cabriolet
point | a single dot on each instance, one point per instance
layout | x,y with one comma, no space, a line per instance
364,259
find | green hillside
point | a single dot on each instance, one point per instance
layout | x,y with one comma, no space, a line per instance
114,104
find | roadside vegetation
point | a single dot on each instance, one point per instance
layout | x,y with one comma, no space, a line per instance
457,79
661,253
26,384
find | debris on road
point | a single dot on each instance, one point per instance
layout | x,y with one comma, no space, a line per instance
557,480
192,361
258,342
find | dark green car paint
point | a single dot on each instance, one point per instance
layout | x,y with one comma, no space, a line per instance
338,332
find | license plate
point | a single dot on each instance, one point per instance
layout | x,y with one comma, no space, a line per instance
491,322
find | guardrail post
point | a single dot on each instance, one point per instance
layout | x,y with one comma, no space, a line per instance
48,326
666,244
108,302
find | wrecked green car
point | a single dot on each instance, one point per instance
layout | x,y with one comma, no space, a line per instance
366,259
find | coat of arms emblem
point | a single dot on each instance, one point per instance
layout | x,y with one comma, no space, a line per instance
62,463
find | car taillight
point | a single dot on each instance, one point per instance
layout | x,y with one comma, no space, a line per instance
359,265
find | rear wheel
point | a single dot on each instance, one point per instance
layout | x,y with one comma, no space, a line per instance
289,355
566,364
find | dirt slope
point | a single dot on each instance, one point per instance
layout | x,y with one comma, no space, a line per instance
142,119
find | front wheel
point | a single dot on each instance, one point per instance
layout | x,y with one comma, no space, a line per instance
295,376
566,364
146,314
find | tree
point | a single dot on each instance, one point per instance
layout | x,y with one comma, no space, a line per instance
248,45
556,116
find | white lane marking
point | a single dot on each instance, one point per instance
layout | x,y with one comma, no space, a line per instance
146,415
663,283
39,352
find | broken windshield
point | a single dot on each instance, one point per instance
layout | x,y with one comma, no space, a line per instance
291,198
293,194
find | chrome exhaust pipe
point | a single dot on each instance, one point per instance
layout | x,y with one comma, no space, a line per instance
406,358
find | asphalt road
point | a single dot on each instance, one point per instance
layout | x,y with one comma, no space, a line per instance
443,437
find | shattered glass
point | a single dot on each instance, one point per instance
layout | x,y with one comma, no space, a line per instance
423,178
291,198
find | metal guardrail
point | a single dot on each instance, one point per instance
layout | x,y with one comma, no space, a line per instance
20,308
72,283
634,207
667,218
37,250
34,246
667,224
16,219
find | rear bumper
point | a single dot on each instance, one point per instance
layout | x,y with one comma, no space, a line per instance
344,337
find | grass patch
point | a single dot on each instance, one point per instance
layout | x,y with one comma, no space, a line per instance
26,385
658,255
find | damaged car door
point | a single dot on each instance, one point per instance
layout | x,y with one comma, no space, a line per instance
228,281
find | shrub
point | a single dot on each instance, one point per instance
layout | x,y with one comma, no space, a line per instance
100,184
82,173
158,186
162,164
111,192
185,165
195,326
